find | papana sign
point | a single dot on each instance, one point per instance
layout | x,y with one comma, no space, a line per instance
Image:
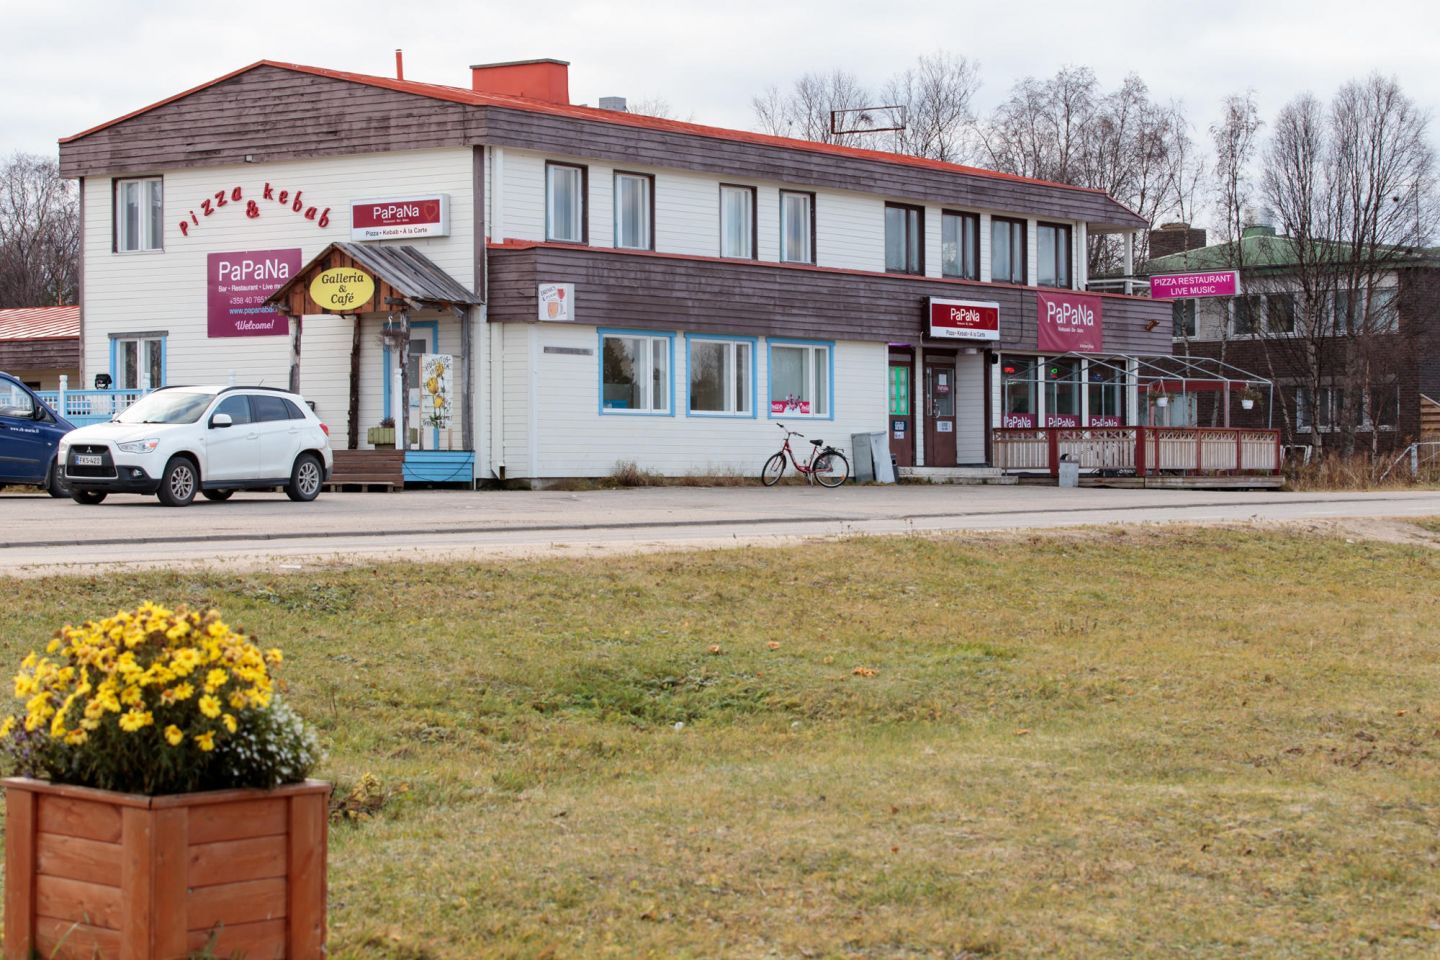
400,217
238,285
1017,421
1069,322
964,319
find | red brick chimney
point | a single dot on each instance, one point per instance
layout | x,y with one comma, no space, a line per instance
544,79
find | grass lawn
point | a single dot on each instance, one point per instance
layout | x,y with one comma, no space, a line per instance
1198,743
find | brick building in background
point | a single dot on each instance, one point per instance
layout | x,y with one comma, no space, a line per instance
1391,356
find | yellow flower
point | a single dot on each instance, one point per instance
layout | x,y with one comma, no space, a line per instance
229,721
132,697
174,735
53,646
215,679
237,700
7,726
24,685
274,657
76,737
210,706
134,719
184,661
206,740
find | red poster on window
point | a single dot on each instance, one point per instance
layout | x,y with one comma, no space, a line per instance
1069,322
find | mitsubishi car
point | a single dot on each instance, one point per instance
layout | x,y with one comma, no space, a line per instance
180,441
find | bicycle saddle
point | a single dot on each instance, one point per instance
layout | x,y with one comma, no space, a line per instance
816,443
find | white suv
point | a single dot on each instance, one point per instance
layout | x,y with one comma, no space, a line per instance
179,441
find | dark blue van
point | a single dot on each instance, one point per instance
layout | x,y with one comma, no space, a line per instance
30,432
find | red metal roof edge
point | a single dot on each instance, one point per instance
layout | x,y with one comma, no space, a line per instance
802,267
461,95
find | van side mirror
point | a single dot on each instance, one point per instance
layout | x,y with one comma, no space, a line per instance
220,420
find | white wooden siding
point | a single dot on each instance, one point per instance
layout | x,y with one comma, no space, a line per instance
574,439
166,291
850,227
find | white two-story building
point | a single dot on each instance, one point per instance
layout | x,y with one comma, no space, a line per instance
555,289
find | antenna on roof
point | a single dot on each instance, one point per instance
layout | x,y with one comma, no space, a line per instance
868,119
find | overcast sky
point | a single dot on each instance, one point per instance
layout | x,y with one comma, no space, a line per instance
70,64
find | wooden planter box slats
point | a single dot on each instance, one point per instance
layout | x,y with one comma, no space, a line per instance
96,874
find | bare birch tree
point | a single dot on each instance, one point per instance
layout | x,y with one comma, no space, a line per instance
1067,129
804,110
39,234
937,95
1353,189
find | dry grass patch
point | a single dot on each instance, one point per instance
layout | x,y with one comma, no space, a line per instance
1200,743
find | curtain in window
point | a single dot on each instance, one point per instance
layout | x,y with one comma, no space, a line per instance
736,222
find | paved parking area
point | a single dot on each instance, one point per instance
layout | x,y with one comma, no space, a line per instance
38,534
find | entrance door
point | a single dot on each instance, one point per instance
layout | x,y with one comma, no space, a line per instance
940,413
901,423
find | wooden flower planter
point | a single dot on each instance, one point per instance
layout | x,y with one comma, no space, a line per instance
93,874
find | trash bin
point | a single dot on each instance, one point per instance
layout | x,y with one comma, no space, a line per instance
1069,473
870,458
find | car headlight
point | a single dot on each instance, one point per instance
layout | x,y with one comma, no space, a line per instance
138,446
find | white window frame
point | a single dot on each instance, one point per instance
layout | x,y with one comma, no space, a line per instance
813,350
787,255
645,374
735,404
551,234
749,232
647,216
150,236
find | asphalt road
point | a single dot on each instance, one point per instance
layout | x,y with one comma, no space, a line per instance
39,535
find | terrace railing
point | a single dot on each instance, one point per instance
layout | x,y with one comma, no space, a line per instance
83,407
1143,451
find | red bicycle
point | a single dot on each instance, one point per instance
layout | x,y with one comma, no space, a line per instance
826,466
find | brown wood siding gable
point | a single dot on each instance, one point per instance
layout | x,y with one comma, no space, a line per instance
668,293
271,114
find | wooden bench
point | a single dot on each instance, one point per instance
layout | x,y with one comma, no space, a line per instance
368,468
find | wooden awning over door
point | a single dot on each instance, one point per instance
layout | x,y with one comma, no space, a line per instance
402,274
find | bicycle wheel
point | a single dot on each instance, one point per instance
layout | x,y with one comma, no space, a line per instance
831,469
774,470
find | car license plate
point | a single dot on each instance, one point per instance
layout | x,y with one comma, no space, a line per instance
88,460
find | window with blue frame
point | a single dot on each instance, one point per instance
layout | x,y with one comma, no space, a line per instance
137,361
634,373
722,376
800,379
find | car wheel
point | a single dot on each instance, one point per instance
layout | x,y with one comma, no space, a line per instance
55,484
305,478
88,497
178,483
217,495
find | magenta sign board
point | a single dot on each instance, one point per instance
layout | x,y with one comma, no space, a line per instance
1069,322
1186,286
238,284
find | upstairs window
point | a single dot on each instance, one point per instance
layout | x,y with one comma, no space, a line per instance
797,227
634,211
1384,310
1247,315
1280,310
737,222
564,203
139,215
1053,241
904,239
960,246
1007,250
